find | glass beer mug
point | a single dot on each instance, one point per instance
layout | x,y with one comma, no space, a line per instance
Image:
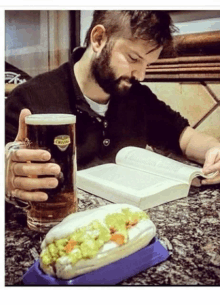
56,134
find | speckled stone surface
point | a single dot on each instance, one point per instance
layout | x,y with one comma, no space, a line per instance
189,227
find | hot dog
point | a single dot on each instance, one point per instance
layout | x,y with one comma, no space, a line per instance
86,241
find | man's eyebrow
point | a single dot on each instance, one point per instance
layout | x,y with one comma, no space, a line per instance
152,50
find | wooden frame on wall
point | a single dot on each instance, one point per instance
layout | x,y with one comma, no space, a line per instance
37,41
191,57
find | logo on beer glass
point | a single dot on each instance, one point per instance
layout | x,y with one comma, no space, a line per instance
62,142
27,142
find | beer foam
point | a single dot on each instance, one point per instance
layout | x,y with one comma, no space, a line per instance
50,119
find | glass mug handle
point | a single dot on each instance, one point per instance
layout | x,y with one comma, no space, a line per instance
9,176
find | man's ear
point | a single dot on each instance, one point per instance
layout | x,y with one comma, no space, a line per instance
98,38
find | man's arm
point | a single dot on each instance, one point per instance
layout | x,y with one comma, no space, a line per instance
203,149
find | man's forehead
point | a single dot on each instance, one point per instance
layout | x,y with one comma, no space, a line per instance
142,47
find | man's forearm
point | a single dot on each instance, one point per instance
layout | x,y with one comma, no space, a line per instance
194,144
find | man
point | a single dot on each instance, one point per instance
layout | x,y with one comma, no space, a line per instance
101,87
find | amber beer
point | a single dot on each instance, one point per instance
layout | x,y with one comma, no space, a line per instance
56,134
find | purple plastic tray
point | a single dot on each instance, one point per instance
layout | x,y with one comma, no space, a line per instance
111,274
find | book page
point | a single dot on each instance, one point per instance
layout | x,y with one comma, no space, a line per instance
145,160
124,179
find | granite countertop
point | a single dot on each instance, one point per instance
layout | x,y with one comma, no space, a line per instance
189,227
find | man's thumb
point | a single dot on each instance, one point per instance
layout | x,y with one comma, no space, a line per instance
21,128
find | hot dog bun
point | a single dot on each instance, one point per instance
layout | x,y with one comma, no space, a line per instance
86,241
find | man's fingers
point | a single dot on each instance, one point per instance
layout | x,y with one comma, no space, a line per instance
28,169
23,155
29,184
196,182
209,161
211,168
29,196
215,180
212,157
21,128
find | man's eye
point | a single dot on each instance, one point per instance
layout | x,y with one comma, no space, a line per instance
132,59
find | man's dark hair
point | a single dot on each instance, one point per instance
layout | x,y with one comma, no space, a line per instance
155,26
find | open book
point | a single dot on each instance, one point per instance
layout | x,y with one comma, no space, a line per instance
139,177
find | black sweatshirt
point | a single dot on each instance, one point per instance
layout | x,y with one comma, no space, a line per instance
136,119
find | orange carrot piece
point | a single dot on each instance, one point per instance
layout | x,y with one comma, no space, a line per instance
118,238
70,246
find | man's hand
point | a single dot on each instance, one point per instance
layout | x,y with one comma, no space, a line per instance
23,177
203,149
212,164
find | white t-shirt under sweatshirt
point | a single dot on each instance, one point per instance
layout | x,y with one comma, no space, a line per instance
98,108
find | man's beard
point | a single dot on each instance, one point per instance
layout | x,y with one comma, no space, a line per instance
104,74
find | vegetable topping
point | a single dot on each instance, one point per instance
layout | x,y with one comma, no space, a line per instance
85,242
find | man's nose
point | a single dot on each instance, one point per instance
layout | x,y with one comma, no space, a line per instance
139,73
